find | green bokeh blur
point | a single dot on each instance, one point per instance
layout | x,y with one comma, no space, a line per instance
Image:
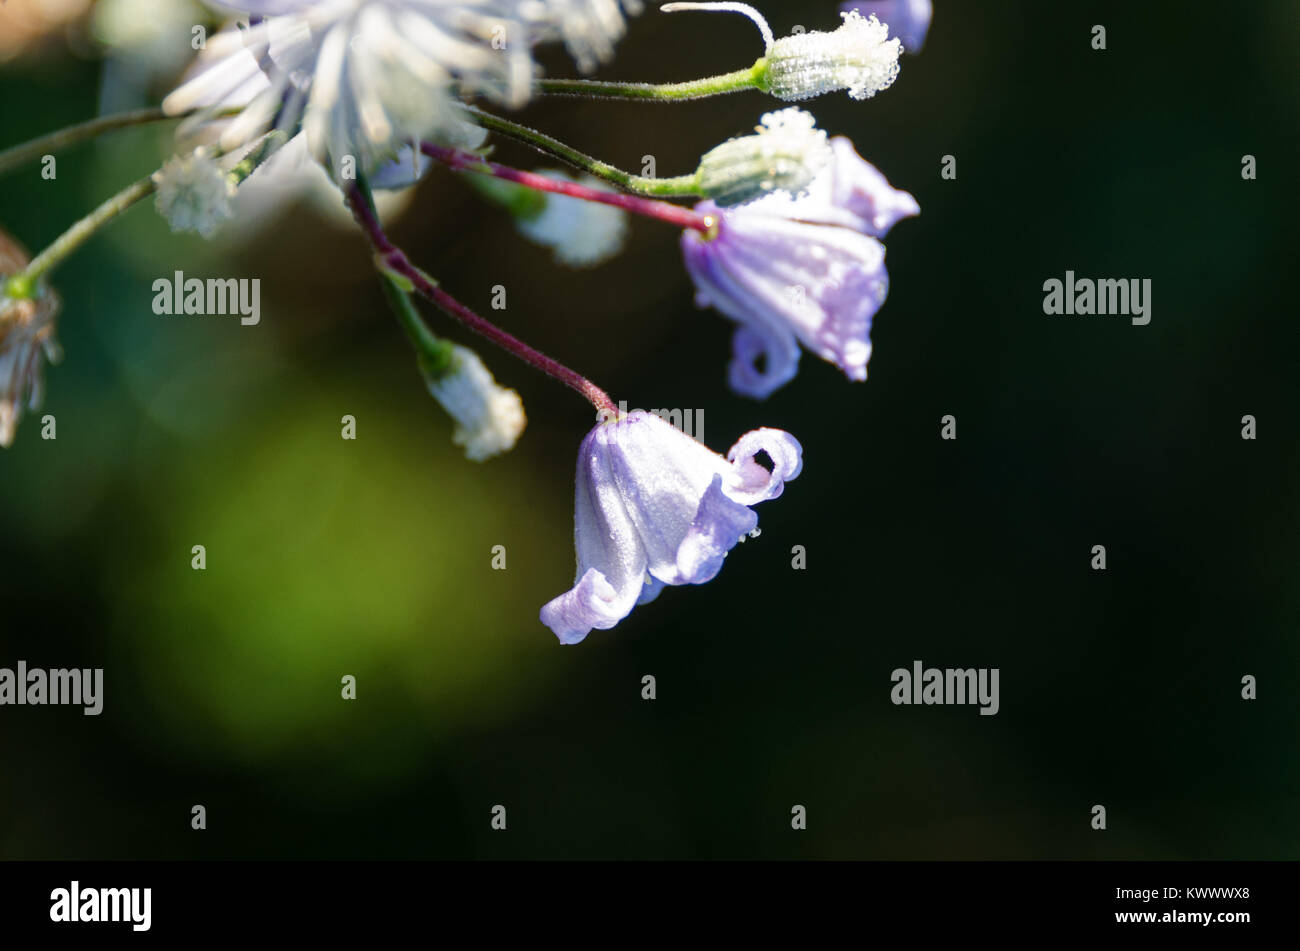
373,557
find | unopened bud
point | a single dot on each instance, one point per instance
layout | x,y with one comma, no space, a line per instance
859,57
489,418
194,193
785,154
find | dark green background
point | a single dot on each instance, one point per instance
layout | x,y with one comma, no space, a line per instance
372,557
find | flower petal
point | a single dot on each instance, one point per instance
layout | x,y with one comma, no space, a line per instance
780,353
591,603
718,526
858,187
650,590
751,483
611,559
822,283
661,473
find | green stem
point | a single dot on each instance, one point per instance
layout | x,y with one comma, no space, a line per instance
741,79
432,351
395,265
24,283
47,144
84,131
682,185
250,163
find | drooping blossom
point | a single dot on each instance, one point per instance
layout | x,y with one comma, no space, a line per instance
807,269
654,507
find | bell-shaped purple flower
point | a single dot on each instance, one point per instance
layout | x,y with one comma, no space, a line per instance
806,268
908,20
785,279
655,507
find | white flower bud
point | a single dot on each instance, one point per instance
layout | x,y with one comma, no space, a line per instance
859,57
489,418
581,233
194,193
788,151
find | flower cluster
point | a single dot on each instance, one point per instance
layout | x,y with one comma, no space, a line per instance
364,77
781,232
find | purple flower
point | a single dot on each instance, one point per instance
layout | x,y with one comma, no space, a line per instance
800,269
852,192
655,507
908,20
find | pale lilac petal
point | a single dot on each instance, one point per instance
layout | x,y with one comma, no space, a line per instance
611,559
719,525
762,330
857,187
780,352
650,590
592,603
750,482
827,285
778,276
604,536
660,474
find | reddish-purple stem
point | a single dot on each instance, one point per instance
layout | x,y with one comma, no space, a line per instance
460,161
394,259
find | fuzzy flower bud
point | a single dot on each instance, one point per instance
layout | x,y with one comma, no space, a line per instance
194,193
786,154
859,57
581,233
489,418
